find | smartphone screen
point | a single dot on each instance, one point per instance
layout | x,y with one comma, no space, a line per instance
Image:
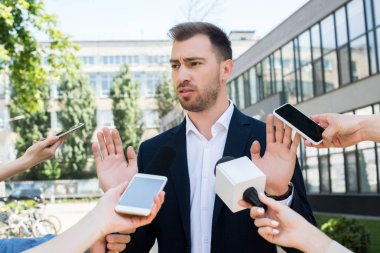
301,122
141,192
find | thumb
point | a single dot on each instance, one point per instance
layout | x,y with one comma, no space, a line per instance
50,141
255,151
330,132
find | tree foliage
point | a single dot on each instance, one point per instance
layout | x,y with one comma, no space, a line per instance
77,106
30,67
125,108
165,97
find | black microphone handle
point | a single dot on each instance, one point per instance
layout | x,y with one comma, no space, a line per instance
250,196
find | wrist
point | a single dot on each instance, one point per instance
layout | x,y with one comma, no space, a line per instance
314,241
369,126
25,162
281,193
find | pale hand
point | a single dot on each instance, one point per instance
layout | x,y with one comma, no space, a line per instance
111,165
279,158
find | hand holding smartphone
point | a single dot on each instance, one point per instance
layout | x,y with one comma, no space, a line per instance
301,123
72,129
137,199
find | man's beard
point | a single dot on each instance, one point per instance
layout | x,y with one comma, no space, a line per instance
202,101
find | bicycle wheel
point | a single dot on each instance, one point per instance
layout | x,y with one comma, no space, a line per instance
43,227
55,220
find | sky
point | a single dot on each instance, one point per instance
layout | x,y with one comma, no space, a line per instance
151,19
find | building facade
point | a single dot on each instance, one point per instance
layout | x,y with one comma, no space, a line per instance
323,58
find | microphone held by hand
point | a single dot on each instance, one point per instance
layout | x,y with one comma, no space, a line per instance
238,179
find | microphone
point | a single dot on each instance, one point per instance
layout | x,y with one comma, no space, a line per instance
161,162
238,179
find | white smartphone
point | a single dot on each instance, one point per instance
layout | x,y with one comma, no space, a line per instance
72,129
138,198
301,123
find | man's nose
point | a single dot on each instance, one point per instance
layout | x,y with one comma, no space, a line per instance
183,75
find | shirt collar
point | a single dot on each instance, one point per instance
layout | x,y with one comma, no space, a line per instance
223,121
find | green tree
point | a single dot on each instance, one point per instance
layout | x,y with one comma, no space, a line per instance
165,97
78,106
21,58
125,108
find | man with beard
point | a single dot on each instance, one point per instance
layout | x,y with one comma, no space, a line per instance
193,219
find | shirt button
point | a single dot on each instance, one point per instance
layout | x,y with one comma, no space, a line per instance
205,240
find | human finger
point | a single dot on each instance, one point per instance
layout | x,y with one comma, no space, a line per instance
266,222
287,136
109,142
256,212
117,141
102,144
270,129
95,151
255,151
295,143
279,131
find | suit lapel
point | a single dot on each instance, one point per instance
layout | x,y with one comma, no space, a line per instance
236,142
180,174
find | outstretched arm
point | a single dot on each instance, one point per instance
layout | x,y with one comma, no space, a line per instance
102,220
35,154
346,130
282,226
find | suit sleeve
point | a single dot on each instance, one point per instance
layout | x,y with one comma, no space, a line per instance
144,237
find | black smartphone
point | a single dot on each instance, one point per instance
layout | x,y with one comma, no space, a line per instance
301,123
72,129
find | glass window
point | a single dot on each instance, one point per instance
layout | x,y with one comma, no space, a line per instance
368,14
316,42
304,48
330,71
328,34
338,183
2,120
341,26
324,170
240,89
307,82
318,77
277,70
253,87
106,84
367,170
290,88
266,78
355,12
351,170
312,174
372,53
232,91
288,58
247,92
376,6
359,58
92,78
105,59
344,65
259,81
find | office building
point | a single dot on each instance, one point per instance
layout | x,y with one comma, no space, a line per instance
323,58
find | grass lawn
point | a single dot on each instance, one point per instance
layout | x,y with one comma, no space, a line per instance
373,227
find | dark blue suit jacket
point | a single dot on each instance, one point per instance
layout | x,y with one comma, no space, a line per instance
231,232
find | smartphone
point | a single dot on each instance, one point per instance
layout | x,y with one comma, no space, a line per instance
301,123
137,199
72,129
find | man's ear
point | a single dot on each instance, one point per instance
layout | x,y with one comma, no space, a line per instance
226,70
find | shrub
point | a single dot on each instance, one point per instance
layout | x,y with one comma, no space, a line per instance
348,232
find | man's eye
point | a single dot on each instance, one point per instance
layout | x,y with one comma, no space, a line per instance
195,63
174,66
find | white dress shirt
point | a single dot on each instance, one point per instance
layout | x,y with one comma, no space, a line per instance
202,155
